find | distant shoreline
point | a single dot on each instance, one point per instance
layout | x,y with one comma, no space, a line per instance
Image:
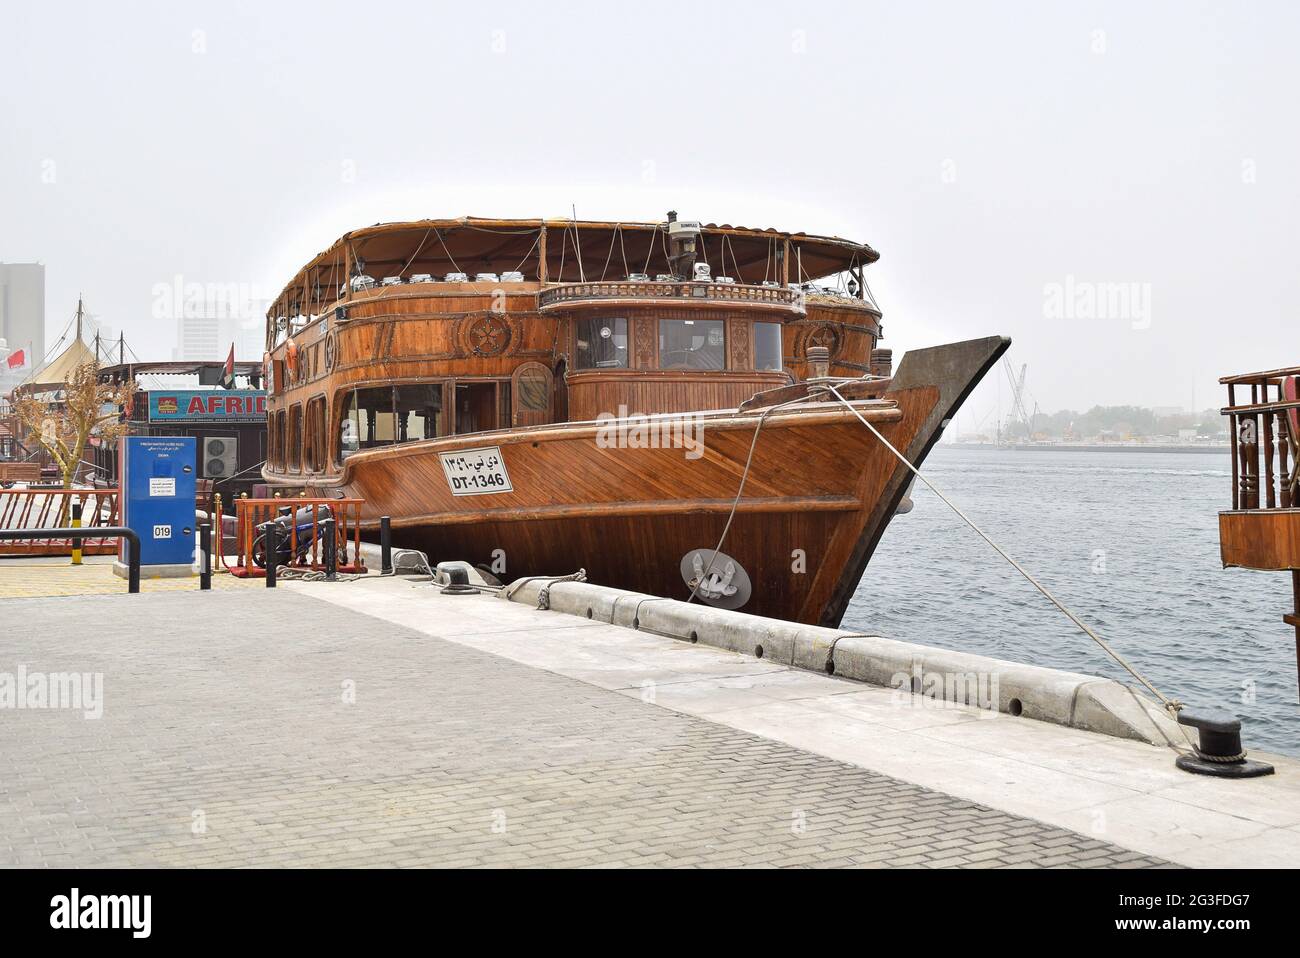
1221,448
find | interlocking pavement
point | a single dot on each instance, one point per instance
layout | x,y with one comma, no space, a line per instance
40,577
255,728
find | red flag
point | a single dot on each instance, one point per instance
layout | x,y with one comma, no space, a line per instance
17,359
228,371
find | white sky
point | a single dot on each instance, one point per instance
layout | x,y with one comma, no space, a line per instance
987,150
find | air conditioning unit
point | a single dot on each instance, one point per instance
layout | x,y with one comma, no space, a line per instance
512,276
421,278
665,278
638,278
725,279
486,278
391,281
220,457
456,278
363,282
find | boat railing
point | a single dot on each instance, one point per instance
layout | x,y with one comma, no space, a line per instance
1265,466
568,294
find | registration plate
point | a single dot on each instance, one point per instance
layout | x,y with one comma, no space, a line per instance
476,472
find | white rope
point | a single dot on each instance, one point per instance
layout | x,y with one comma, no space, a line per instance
1172,705
749,461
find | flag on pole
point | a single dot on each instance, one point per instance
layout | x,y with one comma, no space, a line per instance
17,360
228,371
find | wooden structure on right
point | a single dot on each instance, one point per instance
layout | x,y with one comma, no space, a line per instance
1262,529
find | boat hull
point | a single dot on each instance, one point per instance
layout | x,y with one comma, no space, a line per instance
631,502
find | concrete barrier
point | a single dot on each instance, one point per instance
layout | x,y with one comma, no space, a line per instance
1028,691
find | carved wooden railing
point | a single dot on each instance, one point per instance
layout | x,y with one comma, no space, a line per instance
574,293
1264,444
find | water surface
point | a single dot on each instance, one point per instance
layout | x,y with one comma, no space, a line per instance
1129,541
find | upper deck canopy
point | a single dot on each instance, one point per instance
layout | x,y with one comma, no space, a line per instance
574,250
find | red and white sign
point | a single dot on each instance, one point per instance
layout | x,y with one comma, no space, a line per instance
17,359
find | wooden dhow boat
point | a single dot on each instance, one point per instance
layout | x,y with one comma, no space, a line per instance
647,401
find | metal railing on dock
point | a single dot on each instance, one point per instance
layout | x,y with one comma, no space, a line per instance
50,509
305,548
70,533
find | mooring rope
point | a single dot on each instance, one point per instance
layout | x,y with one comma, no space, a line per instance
1171,705
749,461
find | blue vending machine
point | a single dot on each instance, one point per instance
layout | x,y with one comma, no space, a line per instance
157,502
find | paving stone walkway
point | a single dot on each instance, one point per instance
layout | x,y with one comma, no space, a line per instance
241,728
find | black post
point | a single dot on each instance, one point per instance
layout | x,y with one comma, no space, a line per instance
385,545
205,556
105,532
330,544
76,540
133,564
272,552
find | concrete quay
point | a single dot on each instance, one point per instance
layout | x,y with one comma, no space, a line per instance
379,723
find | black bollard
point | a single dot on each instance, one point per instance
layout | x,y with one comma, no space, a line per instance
272,551
331,545
1218,750
205,556
385,545
133,564
76,540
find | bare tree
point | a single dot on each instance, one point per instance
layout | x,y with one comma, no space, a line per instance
64,422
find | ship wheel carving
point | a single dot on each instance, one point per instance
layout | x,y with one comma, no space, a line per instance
824,335
331,351
488,335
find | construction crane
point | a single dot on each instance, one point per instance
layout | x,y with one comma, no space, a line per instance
1018,411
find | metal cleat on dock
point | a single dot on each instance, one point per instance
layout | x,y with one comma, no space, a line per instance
1219,750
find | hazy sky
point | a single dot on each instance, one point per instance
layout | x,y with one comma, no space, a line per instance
1010,161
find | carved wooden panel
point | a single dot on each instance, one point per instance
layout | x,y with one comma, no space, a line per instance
645,341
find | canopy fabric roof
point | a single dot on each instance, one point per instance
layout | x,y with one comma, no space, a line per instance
583,249
59,370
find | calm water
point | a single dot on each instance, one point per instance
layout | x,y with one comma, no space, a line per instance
1127,540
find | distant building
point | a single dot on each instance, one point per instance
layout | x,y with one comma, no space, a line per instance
22,315
203,338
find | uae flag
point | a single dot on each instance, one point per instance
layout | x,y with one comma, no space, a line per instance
228,371
17,359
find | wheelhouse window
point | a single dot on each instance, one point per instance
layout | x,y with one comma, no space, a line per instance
692,344
295,437
368,420
316,434
602,344
419,409
280,440
767,346
383,415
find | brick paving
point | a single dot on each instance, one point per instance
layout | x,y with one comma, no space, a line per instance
51,576
227,739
